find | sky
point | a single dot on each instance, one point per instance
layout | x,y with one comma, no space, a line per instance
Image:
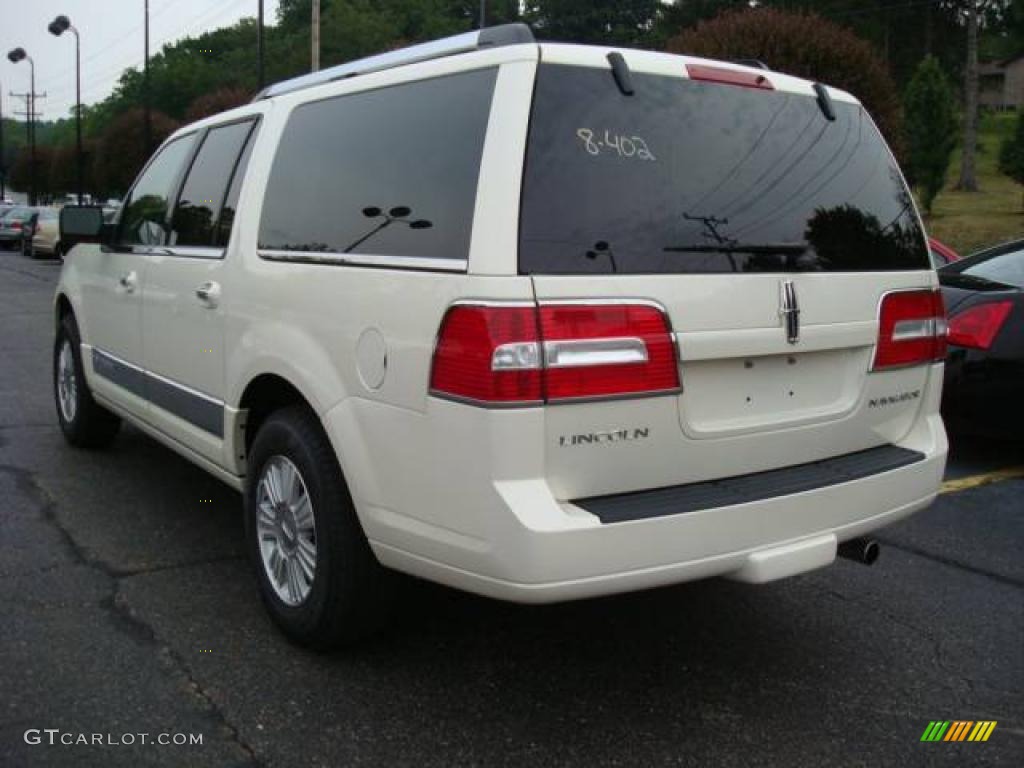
112,40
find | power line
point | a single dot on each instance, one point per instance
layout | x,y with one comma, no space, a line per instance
188,29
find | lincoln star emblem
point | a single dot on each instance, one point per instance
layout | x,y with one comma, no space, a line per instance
789,310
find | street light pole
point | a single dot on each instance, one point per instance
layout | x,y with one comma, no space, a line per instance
315,37
14,56
57,27
3,165
147,112
32,127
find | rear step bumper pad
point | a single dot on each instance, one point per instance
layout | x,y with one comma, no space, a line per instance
744,489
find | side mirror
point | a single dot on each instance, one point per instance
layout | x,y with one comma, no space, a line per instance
81,224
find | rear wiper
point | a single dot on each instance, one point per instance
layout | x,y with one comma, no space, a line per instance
772,249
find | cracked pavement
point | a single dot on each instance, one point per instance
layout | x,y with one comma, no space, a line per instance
128,607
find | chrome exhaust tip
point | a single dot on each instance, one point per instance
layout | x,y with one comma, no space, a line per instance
864,551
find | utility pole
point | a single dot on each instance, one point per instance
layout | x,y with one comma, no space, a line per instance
483,13
3,165
315,35
147,118
30,135
259,46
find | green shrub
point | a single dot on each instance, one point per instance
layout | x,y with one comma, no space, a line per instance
932,127
1011,155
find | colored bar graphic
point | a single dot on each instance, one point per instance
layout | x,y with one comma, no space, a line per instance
958,730
935,730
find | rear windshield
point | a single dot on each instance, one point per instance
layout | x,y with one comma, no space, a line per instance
691,177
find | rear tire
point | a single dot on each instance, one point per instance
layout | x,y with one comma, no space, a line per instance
316,573
84,422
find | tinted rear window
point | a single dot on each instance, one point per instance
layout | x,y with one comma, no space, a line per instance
690,177
388,172
1002,267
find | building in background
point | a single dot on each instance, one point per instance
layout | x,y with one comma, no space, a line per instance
1001,83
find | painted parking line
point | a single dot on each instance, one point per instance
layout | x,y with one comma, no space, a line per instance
973,481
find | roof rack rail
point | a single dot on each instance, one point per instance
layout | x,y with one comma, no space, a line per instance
755,63
504,34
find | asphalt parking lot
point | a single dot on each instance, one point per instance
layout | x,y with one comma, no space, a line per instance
128,608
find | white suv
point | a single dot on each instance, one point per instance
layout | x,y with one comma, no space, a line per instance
536,321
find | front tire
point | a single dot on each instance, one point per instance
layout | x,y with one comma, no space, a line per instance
84,422
316,573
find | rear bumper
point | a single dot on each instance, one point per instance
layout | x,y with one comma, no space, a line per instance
541,550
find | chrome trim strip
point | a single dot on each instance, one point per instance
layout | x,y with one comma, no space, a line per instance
496,404
491,303
194,252
365,260
606,301
578,353
187,404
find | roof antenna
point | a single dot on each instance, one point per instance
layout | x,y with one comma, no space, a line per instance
825,102
620,69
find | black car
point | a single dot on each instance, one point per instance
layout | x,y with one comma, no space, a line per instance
984,386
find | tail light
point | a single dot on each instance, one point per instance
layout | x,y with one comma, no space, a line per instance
912,329
978,326
516,355
488,354
16,225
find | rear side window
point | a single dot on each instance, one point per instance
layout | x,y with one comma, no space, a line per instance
227,212
694,177
389,172
144,216
202,195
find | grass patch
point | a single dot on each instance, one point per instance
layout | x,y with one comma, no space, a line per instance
969,221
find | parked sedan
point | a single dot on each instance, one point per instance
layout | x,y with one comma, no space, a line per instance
14,225
984,387
941,254
45,239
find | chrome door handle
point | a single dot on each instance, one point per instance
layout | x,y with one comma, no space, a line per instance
209,293
129,281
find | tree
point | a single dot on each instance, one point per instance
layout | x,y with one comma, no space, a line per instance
1011,155
121,152
976,13
805,45
20,174
931,126
607,22
217,101
968,177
